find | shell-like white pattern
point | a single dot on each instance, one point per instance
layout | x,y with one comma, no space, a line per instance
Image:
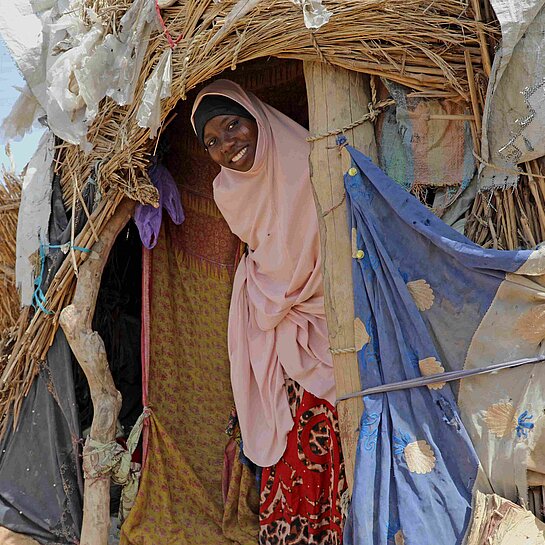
354,242
500,418
399,539
430,366
361,337
531,325
422,294
419,457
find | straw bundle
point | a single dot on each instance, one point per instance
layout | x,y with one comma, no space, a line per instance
505,219
10,196
514,218
34,337
424,45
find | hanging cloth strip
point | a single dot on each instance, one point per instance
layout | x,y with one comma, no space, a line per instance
103,459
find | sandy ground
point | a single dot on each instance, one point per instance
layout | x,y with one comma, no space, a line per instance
7,537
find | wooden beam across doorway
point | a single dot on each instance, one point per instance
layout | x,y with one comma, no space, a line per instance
336,98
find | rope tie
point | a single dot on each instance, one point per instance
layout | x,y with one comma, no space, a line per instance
39,300
507,170
371,115
334,207
238,47
318,49
373,87
337,351
185,66
112,460
173,43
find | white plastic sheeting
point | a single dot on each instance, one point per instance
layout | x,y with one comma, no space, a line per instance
157,87
314,12
22,117
514,116
70,63
34,211
28,36
80,41
128,49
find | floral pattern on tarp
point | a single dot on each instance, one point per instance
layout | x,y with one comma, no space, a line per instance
301,493
405,448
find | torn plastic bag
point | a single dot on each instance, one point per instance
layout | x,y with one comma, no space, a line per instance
34,211
129,49
96,74
23,116
314,12
157,87
63,84
69,65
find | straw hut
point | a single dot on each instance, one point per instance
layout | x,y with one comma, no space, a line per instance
120,80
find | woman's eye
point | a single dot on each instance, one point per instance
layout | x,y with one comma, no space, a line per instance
211,143
233,124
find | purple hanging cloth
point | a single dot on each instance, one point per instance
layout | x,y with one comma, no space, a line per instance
148,218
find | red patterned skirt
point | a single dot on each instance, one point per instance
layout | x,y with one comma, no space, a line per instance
301,493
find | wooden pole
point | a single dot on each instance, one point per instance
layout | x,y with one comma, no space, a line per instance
88,347
336,98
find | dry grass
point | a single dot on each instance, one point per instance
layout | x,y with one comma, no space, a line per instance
513,218
10,197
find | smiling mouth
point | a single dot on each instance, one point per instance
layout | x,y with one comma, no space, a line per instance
239,155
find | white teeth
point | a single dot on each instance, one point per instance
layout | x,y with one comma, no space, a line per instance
239,155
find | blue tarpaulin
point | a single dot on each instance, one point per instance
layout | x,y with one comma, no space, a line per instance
428,300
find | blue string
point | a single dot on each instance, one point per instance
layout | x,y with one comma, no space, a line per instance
39,300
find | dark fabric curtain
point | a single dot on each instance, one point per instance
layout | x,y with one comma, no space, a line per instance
40,480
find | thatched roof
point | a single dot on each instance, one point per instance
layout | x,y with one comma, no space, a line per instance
418,43
428,46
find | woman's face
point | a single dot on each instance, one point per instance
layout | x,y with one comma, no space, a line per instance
231,141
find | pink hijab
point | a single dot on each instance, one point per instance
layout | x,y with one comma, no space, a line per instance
277,324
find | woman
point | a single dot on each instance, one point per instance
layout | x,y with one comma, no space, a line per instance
281,369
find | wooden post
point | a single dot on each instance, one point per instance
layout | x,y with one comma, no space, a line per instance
336,98
76,322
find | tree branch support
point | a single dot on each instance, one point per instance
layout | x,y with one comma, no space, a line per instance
88,347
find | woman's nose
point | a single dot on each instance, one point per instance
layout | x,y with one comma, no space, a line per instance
227,144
